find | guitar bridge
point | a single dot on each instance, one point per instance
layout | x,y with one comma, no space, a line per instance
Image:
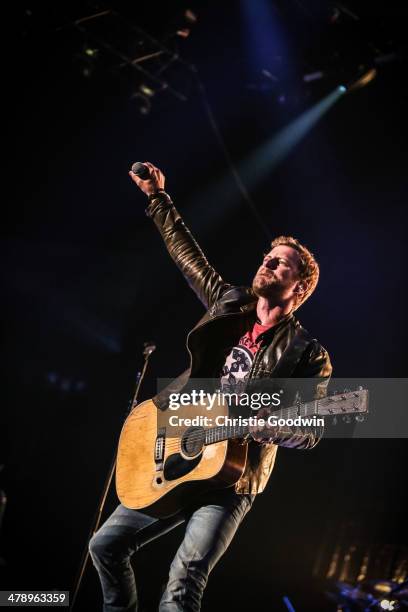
159,448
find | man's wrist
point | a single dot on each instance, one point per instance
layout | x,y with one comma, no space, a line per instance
157,200
155,194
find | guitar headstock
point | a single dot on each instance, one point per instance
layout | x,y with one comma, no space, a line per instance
348,402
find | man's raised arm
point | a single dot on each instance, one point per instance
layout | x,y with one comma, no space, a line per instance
184,250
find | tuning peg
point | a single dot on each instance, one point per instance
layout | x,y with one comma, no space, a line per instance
346,418
334,420
334,392
346,390
359,418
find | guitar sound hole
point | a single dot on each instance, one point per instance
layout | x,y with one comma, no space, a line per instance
192,441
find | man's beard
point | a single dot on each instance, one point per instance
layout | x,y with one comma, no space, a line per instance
266,286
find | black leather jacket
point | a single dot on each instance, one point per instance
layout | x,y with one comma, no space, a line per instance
287,349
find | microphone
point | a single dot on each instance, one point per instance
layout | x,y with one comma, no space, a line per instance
141,170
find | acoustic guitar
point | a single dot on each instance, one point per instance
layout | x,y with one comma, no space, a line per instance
160,467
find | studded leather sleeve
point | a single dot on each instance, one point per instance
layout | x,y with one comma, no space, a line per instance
316,368
184,250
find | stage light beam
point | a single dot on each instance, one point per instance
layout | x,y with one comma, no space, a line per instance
269,155
253,169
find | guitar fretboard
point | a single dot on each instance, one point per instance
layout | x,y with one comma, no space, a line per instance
327,406
227,432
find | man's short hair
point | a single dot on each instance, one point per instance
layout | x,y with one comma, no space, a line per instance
308,268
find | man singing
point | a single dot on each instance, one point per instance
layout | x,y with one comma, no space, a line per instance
247,334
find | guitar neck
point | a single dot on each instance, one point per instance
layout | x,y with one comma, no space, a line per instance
349,402
227,432
230,432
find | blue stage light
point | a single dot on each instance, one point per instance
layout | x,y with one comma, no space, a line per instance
265,158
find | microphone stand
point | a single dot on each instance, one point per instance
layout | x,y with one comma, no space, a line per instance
149,348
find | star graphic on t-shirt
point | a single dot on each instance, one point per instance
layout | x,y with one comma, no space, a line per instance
236,369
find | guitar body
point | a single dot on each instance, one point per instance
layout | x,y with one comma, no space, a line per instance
154,472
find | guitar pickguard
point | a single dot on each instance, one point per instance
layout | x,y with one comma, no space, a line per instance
176,466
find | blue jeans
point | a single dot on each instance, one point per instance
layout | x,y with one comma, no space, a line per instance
211,525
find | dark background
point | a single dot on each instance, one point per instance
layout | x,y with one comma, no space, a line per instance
86,280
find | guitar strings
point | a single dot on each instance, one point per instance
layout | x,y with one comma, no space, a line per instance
291,411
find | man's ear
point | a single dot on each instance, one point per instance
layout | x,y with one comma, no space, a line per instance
301,288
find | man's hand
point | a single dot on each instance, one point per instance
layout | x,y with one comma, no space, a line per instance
151,185
263,433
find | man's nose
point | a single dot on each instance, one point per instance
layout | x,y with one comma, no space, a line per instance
271,263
